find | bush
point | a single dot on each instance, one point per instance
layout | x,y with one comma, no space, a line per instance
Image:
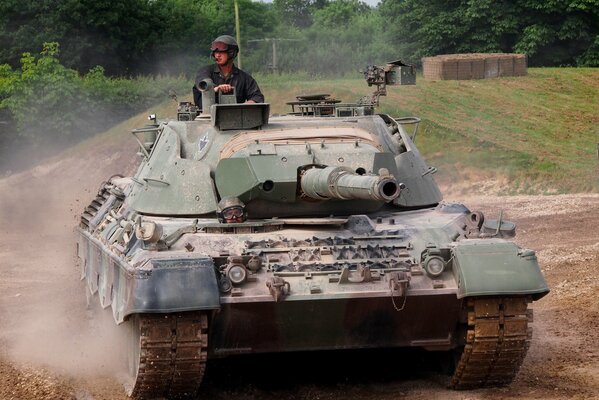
51,104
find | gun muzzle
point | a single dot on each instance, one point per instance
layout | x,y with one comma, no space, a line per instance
342,183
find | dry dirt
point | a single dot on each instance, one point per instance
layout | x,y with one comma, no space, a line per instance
51,348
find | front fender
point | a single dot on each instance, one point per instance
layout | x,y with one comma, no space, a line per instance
171,285
160,285
486,267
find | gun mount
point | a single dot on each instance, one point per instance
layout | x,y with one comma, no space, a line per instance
322,105
393,73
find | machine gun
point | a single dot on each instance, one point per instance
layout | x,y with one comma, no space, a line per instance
393,73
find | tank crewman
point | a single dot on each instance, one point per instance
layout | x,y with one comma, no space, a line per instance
231,210
226,75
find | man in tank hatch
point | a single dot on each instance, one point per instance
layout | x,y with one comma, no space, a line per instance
225,74
231,210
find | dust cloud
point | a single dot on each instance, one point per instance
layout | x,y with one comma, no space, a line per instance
44,317
31,142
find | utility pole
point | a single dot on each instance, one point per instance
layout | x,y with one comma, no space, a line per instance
237,32
274,55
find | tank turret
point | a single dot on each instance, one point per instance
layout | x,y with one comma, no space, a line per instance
343,184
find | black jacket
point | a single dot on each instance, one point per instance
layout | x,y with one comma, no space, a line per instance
246,87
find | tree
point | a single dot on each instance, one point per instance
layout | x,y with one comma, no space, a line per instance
339,12
560,33
118,34
24,26
298,12
549,32
43,87
344,37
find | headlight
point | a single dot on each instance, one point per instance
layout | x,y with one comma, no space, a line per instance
434,266
237,274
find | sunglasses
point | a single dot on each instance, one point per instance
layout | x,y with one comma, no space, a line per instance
219,46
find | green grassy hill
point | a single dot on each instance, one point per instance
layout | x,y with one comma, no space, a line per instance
532,134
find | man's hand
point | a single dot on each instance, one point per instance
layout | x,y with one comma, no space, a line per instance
225,88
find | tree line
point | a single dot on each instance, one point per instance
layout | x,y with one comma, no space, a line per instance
71,68
129,37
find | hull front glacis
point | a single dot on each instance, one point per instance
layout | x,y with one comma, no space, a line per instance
353,282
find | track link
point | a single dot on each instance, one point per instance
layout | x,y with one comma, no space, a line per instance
172,355
92,209
497,339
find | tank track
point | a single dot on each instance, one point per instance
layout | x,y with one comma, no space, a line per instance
497,339
172,355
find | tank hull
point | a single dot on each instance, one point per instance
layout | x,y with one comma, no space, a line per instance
326,254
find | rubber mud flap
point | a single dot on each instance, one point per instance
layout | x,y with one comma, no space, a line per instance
173,286
496,267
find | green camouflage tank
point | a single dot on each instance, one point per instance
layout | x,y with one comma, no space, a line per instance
323,229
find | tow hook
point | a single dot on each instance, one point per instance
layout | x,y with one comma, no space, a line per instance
362,274
398,283
278,287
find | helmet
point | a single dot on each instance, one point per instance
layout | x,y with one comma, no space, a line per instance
230,209
225,43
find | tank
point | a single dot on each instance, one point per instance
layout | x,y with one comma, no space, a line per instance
321,229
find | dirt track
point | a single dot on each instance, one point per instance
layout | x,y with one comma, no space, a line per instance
51,349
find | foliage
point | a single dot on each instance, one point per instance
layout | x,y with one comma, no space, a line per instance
549,32
51,104
338,13
128,37
344,36
43,85
117,34
298,13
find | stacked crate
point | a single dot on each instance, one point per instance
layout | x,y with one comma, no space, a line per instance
473,66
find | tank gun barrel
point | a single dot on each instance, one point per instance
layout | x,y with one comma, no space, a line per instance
343,184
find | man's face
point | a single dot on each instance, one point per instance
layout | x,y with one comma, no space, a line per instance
221,57
233,214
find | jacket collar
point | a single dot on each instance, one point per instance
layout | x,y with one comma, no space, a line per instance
234,71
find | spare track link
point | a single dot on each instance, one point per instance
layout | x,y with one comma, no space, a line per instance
92,209
173,354
497,339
